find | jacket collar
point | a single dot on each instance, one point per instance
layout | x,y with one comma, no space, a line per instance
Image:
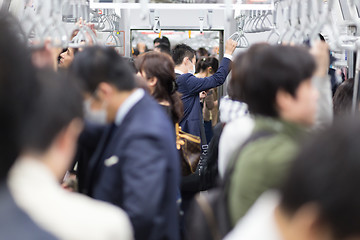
277,125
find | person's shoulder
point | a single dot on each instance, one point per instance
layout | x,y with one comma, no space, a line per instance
107,218
184,77
259,217
268,151
148,117
15,223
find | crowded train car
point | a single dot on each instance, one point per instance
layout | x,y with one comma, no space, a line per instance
179,119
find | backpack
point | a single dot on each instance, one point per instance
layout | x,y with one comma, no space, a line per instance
209,216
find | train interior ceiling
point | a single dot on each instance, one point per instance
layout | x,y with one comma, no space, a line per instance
198,23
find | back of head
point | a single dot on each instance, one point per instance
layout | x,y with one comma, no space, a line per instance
326,173
18,89
181,51
264,70
202,52
100,64
207,62
343,98
57,104
163,48
157,41
165,41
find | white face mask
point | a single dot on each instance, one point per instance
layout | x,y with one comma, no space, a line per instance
95,116
193,69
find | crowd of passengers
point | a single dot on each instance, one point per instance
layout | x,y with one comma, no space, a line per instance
88,145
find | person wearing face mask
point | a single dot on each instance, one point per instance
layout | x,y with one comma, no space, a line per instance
130,161
190,86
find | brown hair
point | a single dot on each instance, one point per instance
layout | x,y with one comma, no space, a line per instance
161,66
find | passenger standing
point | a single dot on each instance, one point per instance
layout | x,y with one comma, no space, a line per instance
18,89
190,86
343,98
318,199
135,164
158,70
206,67
276,84
48,146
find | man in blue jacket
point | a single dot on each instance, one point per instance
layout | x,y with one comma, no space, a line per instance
190,86
135,163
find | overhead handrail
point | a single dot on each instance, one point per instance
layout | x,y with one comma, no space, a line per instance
55,30
266,24
296,28
85,37
239,36
305,30
288,24
274,30
113,38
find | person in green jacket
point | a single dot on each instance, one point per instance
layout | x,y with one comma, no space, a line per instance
276,83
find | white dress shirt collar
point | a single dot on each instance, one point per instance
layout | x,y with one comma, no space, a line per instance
129,103
178,72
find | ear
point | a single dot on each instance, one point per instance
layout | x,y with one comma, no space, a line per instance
185,60
63,148
307,220
67,138
105,90
210,70
152,81
283,100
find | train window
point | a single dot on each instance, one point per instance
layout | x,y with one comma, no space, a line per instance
210,40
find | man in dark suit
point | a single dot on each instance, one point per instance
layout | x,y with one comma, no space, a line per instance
135,164
17,90
190,86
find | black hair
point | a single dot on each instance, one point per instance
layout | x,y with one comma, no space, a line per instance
163,48
202,52
18,89
157,40
57,104
181,51
240,67
135,52
343,98
164,40
326,172
264,70
131,64
100,64
206,62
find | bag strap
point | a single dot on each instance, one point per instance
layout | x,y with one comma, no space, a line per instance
253,137
177,134
203,202
202,130
209,216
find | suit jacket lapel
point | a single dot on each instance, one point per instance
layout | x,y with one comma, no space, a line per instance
96,158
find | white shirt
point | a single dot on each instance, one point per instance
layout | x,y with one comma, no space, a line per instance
65,214
232,137
259,222
238,128
128,104
324,113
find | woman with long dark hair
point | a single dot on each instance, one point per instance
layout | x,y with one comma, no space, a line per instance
158,70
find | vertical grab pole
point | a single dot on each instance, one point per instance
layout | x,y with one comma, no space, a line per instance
356,83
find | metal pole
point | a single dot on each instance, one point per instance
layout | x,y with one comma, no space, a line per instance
356,84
